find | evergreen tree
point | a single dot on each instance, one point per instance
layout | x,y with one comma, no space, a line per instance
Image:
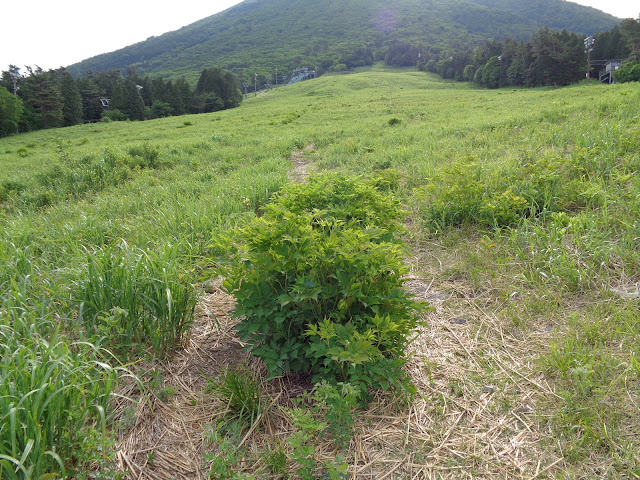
491,73
611,45
175,100
135,103
148,92
160,91
9,76
558,58
11,110
107,81
71,98
217,89
161,109
91,106
184,91
126,99
39,90
631,33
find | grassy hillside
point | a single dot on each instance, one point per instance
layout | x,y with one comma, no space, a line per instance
259,36
523,234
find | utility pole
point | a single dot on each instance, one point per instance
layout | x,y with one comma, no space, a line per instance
14,76
276,78
255,84
246,86
589,42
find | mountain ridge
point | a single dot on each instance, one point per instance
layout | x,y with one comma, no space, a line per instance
257,36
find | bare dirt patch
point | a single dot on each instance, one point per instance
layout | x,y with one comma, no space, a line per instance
299,174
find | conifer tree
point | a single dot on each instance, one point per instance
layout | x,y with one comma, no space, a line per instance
71,98
91,106
39,90
11,109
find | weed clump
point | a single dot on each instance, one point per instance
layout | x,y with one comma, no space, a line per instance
468,192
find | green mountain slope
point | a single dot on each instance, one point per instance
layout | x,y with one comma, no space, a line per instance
558,14
257,36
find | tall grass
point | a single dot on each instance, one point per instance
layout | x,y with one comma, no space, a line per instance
50,390
137,298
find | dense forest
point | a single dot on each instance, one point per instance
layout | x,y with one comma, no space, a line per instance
549,58
40,99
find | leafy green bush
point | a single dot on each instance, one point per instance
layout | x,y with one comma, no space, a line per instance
136,298
318,283
144,156
336,403
629,72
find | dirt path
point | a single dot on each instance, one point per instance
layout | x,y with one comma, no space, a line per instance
299,174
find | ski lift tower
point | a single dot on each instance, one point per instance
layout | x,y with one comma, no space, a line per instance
589,42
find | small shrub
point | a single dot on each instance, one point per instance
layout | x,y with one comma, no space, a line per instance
318,284
144,156
10,188
276,460
629,72
76,177
114,115
469,193
336,404
394,121
290,117
303,441
223,462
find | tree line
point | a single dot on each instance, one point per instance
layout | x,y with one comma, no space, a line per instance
550,57
41,99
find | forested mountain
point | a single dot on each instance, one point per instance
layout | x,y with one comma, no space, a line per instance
557,14
257,36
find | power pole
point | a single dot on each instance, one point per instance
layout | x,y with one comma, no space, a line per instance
255,85
589,42
276,78
14,77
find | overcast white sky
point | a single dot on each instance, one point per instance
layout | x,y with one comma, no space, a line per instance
54,33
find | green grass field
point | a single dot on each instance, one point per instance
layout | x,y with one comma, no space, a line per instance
523,234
